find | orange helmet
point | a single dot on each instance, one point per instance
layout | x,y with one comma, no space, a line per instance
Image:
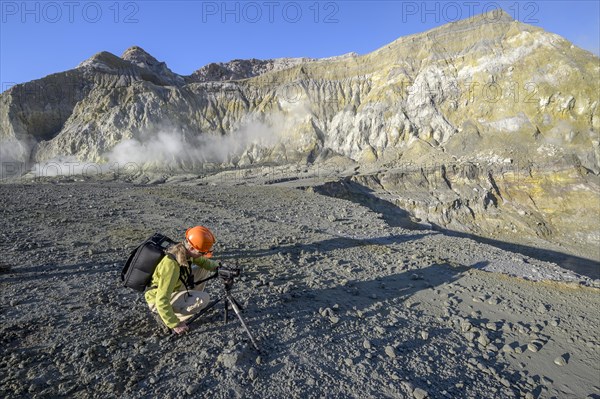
201,239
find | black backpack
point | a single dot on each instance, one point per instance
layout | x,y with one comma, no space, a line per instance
138,270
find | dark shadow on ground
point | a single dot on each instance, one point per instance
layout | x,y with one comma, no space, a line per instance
48,271
359,194
583,266
395,216
390,289
332,244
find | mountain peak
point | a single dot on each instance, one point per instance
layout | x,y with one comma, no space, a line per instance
496,15
103,60
139,56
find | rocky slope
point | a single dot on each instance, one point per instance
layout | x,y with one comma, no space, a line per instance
515,103
342,301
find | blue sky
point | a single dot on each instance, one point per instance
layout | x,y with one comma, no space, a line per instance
38,38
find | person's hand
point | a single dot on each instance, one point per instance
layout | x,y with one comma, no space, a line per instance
181,328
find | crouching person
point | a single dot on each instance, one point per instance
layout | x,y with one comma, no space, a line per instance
172,295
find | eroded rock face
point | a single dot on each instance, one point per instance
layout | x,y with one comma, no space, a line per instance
484,91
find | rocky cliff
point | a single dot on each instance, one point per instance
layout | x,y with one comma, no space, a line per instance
512,101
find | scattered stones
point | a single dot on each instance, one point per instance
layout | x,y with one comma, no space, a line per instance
37,342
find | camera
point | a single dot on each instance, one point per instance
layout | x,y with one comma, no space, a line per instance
228,273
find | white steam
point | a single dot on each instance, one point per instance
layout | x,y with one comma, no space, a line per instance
172,149
13,150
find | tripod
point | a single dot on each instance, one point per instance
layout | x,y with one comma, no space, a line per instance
228,300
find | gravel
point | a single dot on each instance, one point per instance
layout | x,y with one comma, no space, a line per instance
373,310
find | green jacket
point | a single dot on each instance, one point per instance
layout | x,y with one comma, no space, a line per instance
165,281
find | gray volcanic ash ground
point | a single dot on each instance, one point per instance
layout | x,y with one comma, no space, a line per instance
342,301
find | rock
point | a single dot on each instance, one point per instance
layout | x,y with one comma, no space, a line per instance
483,340
561,360
390,352
334,319
366,344
420,394
408,386
228,359
424,335
507,349
492,348
191,389
252,374
534,346
469,336
493,301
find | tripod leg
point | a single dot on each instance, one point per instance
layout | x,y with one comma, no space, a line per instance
240,307
226,311
235,308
